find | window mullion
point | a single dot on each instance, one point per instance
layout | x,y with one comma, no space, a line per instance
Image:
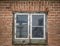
30,23
44,26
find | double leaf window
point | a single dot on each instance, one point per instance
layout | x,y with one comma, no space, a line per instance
29,28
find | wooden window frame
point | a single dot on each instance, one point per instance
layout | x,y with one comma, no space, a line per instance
27,40
38,26
16,23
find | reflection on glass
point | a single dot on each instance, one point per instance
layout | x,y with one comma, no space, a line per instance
22,26
37,32
37,20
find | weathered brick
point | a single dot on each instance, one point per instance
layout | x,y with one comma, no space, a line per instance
6,16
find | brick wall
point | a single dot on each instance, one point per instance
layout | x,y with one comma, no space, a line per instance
6,16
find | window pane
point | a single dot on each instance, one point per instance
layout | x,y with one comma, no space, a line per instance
37,20
37,32
22,19
21,32
22,26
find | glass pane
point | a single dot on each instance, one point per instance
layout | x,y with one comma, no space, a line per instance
37,20
22,19
37,32
22,26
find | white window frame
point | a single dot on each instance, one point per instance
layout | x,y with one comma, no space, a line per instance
15,24
38,26
29,23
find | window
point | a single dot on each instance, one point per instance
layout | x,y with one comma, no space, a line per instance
21,26
29,27
38,26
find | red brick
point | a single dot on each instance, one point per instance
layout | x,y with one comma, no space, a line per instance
53,26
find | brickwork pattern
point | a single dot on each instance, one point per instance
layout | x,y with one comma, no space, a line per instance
53,19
